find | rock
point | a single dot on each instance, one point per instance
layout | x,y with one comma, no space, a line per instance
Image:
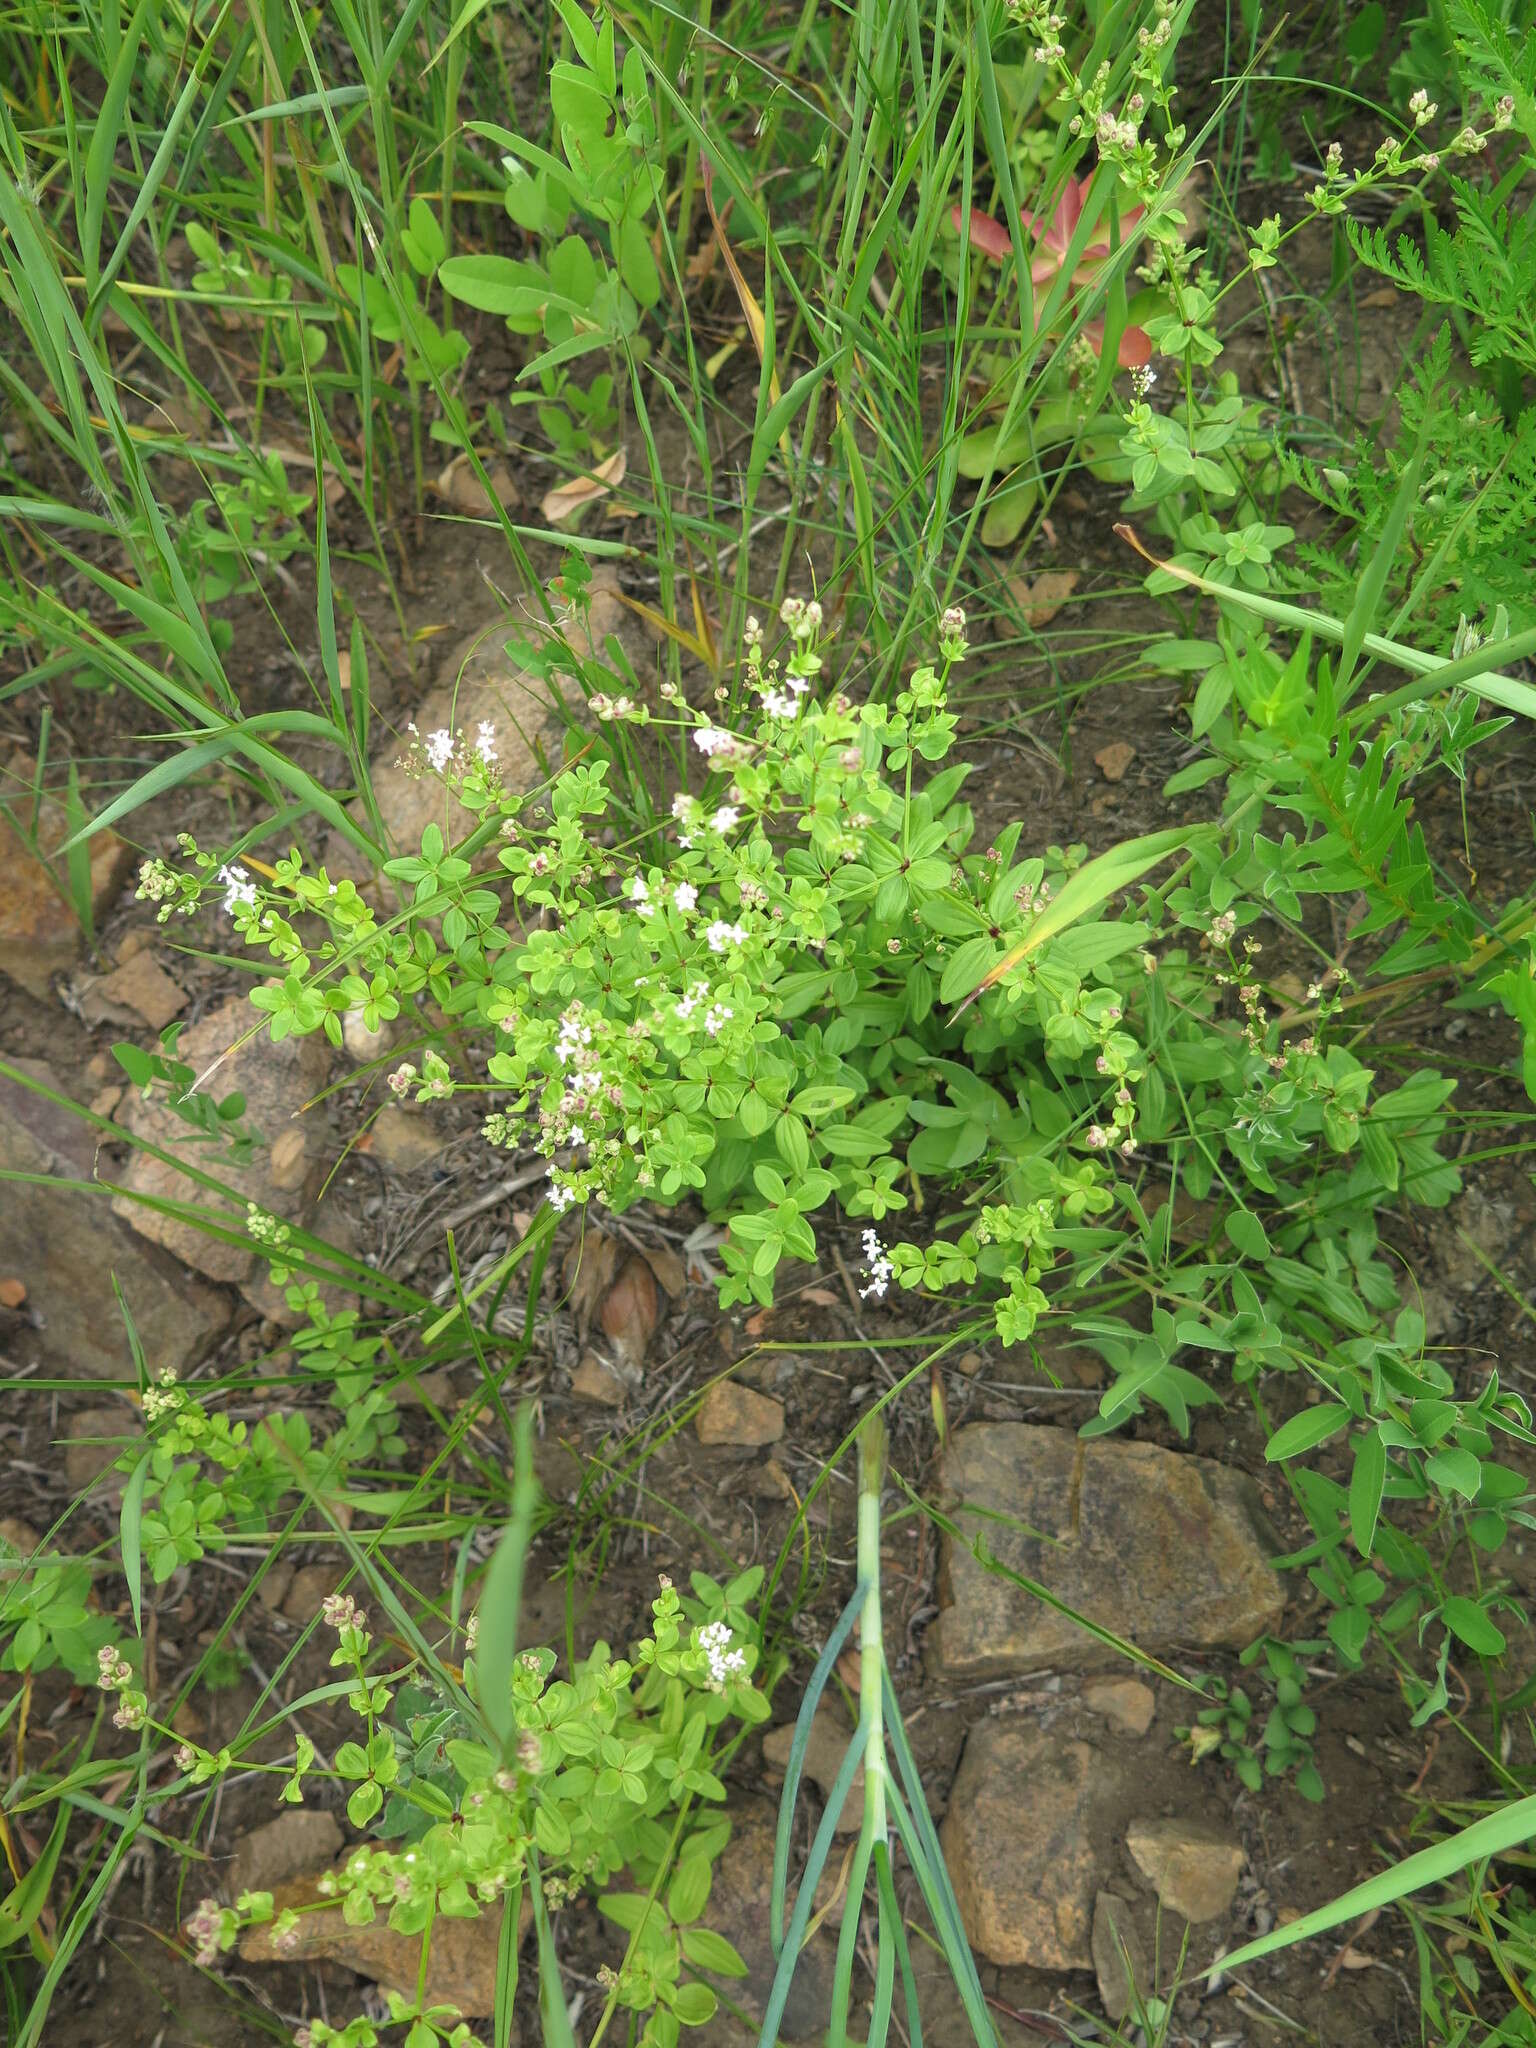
768,1480
478,684
1125,1701
404,1140
596,1381
732,1414
66,1246
275,1581
1119,1960
1478,1242
308,1588
93,1438
461,1962
138,988
19,1544
739,1909
1192,1866
364,1045
824,1753
277,1082
1026,1837
38,931
1167,1549
300,1838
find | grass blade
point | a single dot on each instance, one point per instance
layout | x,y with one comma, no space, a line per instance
1495,1832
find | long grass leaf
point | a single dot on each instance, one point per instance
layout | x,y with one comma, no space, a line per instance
1509,1828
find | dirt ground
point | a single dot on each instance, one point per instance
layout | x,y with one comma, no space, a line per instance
621,1519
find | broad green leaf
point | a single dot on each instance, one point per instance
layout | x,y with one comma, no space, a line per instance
1305,1431
1470,1625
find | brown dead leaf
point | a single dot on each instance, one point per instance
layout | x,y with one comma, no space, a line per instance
631,1311
567,499
669,1270
1041,597
1384,295
464,491
1113,760
12,1293
588,1272
822,1297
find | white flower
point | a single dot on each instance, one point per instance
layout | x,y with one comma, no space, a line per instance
485,742
714,1640
690,1002
720,935
685,896
714,739
640,891
439,748
716,1017
238,888
724,818
560,1196
878,1266
781,704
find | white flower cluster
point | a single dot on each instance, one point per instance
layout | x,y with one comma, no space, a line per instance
445,749
239,889
714,1639
878,1265
164,1398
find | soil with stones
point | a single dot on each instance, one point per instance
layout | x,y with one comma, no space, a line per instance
1085,1847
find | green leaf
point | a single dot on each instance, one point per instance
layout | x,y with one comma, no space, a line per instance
1468,1622
129,1525
1247,1234
707,1950
688,1893
20,1908
1305,1431
1455,1471
1365,1488
694,2004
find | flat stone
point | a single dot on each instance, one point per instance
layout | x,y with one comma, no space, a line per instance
307,1589
404,1140
478,684
1192,1866
1125,1702
1026,1840
277,1082
139,988
824,1753
732,1414
90,1446
66,1246
38,930
596,1381
461,1962
1166,1549
299,1839
1119,1959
